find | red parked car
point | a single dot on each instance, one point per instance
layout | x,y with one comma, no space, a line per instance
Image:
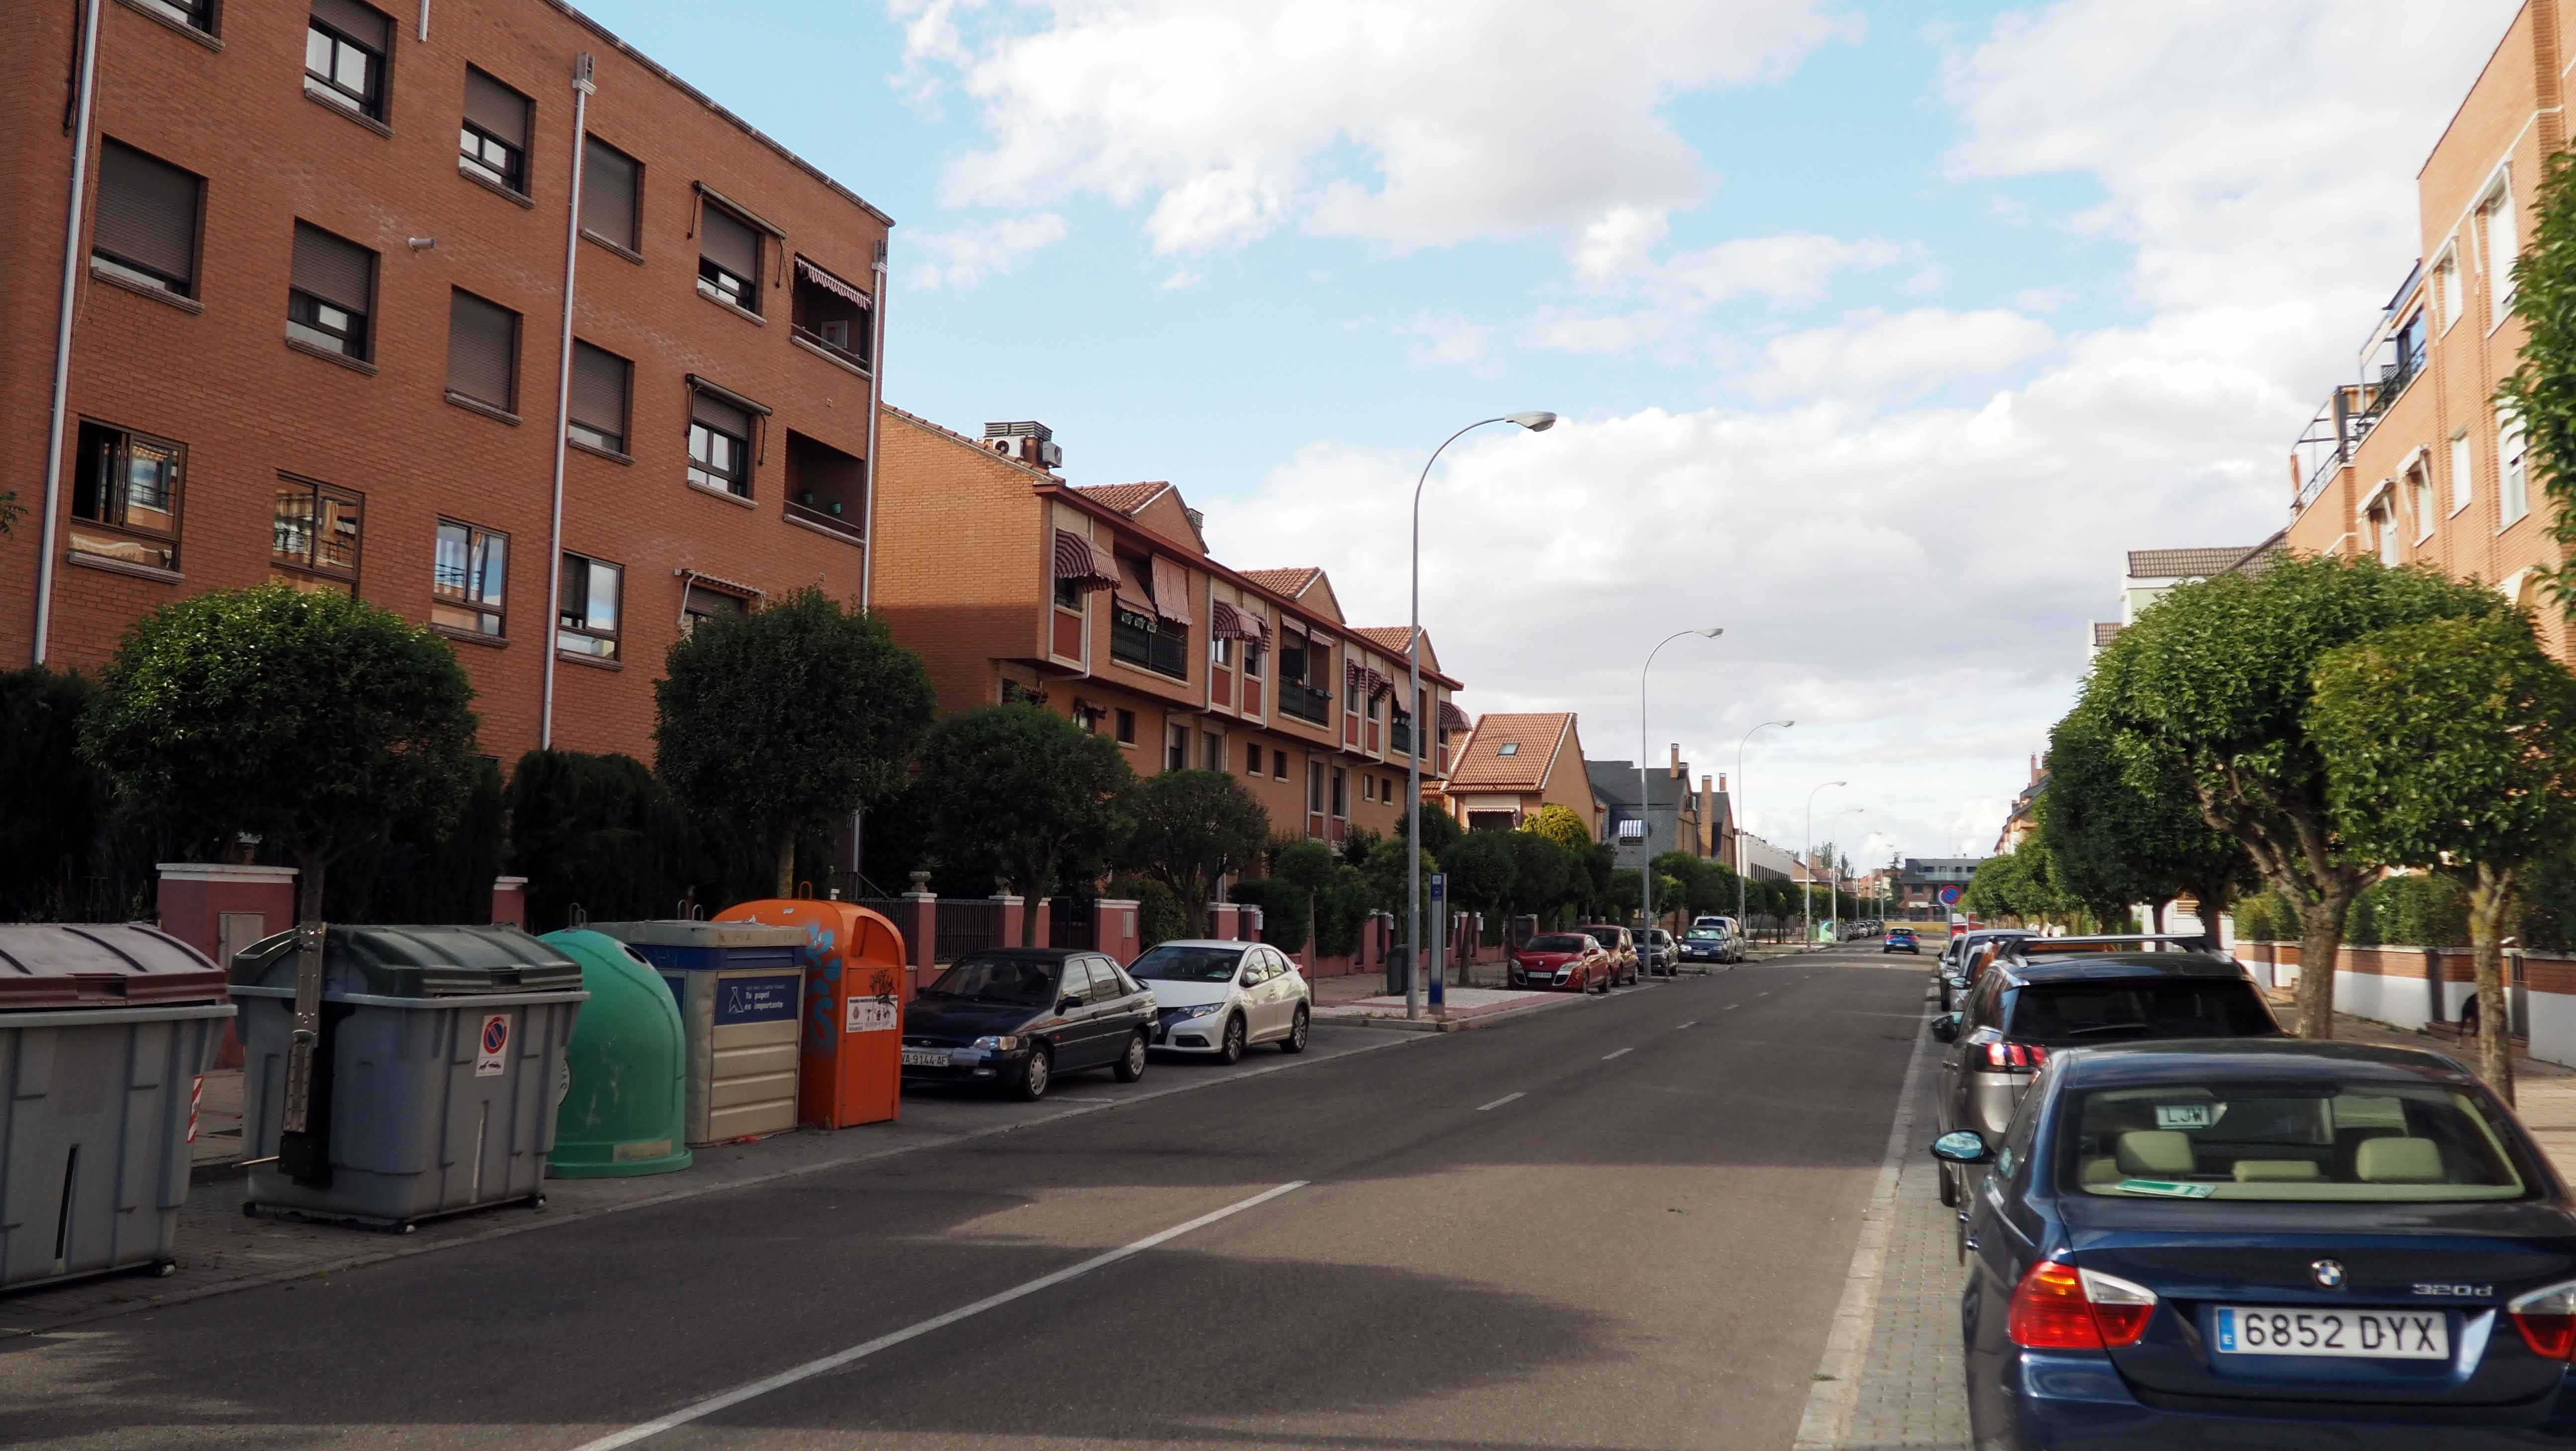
1569,960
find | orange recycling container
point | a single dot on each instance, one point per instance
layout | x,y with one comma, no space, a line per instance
850,1047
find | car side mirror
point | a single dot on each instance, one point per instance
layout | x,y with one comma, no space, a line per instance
1946,1027
1067,1004
1962,1147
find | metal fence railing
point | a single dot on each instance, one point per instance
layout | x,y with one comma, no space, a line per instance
1070,921
968,925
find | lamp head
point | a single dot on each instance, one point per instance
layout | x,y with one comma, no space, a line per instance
1787,723
1536,421
1710,634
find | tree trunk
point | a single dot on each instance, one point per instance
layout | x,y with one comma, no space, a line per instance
2214,900
2156,917
787,864
2320,943
2489,892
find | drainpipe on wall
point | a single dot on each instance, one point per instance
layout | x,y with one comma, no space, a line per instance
581,89
876,406
59,416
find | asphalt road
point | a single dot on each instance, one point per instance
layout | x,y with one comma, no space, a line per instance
1620,1224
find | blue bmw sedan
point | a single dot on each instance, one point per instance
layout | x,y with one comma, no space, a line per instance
2265,1243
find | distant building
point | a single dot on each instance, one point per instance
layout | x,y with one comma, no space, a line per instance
2151,572
2023,819
1677,817
1513,764
1921,883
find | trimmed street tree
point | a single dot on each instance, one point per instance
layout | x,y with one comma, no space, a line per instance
2120,824
1024,796
1562,825
2218,673
1191,828
2451,745
1308,867
2541,393
787,720
311,720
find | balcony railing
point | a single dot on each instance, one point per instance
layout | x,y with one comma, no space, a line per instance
1305,702
2398,361
1399,737
2393,360
2326,444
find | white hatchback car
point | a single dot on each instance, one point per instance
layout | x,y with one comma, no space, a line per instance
1219,998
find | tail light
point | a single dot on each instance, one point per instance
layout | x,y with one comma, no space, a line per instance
2547,1320
2060,1307
2016,1057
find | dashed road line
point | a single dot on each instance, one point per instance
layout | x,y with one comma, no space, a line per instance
1693,1023
1606,1057
1498,1103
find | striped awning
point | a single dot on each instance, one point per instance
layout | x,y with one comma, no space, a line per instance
830,283
1453,719
1078,563
1228,623
1171,590
1367,679
1128,593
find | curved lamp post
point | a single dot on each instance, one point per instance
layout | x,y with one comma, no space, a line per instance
1646,802
1537,421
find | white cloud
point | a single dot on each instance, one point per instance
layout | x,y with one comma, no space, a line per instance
1784,270
1180,280
1901,354
1620,241
1411,122
1445,339
963,258
1658,294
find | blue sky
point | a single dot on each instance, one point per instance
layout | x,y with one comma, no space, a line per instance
1880,330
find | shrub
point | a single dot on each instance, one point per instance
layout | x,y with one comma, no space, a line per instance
1283,910
597,833
421,872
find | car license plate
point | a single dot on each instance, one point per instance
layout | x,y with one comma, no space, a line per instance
2363,1334
923,1058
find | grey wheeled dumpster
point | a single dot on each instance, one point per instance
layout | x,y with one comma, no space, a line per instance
434,1080
105,1032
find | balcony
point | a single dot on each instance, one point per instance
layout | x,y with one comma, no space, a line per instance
1399,736
2391,361
1305,702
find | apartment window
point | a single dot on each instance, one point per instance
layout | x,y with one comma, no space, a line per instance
612,192
1278,766
827,487
2463,472
1341,792
2502,247
1176,748
586,616
699,604
1252,653
1126,727
2383,524
314,530
333,290
1508,748
482,351
2446,288
599,388
1368,788
830,313
345,44
1252,759
1315,786
493,141
1221,649
729,258
468,579
1138,634
195,14
1211,751
719,445
146,230
2513,477
125,496
1386,789
1068,595
2419,493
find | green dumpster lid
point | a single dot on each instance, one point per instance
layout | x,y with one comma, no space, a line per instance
678,932
101,965
415,962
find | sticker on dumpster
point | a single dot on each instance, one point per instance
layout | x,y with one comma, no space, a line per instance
757,999
871,1015
495,1045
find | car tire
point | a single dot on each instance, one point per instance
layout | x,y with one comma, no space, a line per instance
1034,1076
1949,1186
1230,1044
1131,1064
1298,1026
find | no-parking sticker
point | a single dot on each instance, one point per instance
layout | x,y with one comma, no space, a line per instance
495,1045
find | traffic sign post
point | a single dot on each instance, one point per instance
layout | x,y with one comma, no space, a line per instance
1439,962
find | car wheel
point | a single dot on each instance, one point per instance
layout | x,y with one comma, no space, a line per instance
1295,1042
1132,1066
1949,1187
1231,1049
1035,1075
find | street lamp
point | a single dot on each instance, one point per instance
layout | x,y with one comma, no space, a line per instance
1807,864
1835,871
1737,807
1645,800
1536,421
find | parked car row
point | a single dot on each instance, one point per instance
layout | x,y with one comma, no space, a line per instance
1018,1018
1712,940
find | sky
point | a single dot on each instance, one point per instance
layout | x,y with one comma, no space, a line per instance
1879,331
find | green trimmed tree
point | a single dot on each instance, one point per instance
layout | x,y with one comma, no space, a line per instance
1191,829
309,719
597,835
2218,674
1306,868
1480,867
1024,797
785,721
2120,824
2451,745
1560,824
2541,393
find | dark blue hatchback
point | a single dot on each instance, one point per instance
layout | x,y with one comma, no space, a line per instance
2266,1243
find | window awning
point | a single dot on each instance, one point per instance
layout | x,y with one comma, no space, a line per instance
1453,719
1368,679
1229,623
830,283
1076,562
1171,590
1128,594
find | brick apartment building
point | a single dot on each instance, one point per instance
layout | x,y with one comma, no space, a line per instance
319,291
2411,461
1514,764
1103,603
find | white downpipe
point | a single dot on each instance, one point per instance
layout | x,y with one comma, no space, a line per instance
876,406
60,414
581,89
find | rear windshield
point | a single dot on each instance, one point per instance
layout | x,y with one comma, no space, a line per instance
1559,942
2084,1014
2375,1143
1706,934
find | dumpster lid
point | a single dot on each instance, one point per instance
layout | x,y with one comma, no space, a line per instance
690,933
416,962
101,965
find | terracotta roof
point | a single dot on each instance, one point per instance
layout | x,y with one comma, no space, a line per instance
1125,498
2105,631
2182,563
1482,766
1391,638
1289,582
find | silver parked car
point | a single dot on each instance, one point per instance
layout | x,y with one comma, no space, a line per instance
1218,998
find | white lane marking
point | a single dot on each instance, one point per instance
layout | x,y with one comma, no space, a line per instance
1498,1103
1731,1007
1836,1388
1606,1057
699,1410
1693,1023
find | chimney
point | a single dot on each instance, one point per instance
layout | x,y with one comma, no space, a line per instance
1026,441
1721,780
1676,769
2034,768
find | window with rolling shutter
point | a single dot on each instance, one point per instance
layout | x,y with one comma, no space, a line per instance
482,351
612,190
729,258
345,45
493,141
599,388
147,220
719,445
333,291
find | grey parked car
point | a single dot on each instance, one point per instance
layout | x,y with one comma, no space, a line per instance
1951,973
2021,1010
